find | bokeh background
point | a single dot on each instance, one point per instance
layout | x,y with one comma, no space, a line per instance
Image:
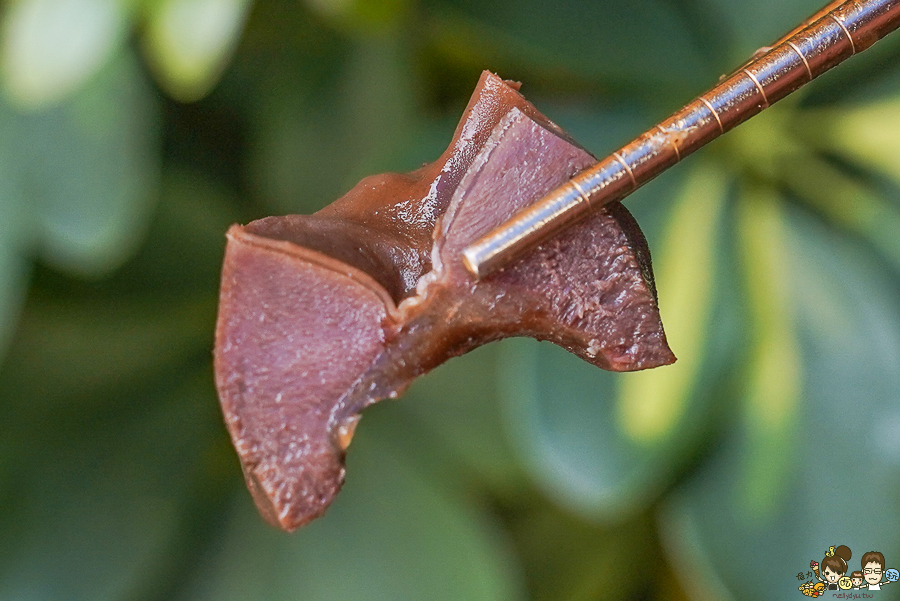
133,132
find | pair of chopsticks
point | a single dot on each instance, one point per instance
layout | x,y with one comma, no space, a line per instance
834,34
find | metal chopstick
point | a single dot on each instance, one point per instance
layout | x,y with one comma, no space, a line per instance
832,35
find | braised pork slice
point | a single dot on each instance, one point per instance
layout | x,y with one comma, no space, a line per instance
325,314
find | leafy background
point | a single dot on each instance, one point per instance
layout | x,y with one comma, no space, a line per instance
133,132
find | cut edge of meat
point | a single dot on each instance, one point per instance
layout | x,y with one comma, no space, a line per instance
238,233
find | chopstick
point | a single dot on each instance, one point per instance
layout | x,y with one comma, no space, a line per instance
835,33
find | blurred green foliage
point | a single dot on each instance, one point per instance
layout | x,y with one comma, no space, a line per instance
133,132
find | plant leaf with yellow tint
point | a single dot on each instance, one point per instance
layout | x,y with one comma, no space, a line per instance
652,402
189,43
847,202
866,134
773,385
562,414
787,473
50,48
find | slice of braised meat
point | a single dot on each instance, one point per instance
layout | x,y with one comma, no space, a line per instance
325,314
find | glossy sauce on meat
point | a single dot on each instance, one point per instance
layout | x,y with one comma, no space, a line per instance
325,314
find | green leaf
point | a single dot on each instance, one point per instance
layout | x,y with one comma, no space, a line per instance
313,145
49,48
847,202
651,403
759,23
605,444
364,17
772,387
392,534
567,559
89,168
182,254
158,310
14,270
457,408
838,482
864,134
93,502
189,43
15,237
639,42
67,355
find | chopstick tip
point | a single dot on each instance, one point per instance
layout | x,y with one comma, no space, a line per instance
470,261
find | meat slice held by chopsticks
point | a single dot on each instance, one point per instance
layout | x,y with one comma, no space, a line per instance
325,314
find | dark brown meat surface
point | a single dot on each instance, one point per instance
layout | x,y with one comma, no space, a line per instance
325,314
